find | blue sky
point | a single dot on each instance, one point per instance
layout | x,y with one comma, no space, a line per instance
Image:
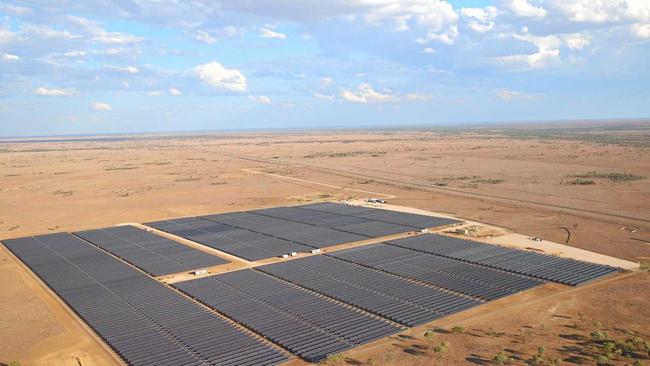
114,66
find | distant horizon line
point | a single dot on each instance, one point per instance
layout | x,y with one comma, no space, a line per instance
392,127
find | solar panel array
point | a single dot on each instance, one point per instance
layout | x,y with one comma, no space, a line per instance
239,242
306,324
306,234
389,296
266,233
314,306
145,322
387,216
469,279
349,224
562,270
151,253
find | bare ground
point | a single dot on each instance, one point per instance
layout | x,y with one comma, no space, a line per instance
516,183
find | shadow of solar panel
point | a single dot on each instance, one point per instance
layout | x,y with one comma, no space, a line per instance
143,321
306,324
240,242
389,296
151,253
562,270
450,274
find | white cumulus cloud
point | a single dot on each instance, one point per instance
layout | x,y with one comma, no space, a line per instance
548,51
9,57
99,34
436,17
366,94
125,69
480,19
43,31
524,9
601,11
100,106
576,41
204,37
641,30
53,92
220,77
548,48
175,92
269,33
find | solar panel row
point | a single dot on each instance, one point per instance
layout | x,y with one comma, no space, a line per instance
318,218
304,323
387,216
310,235
562,270
151,253
469,279
145,322
239,242
354,225
389,296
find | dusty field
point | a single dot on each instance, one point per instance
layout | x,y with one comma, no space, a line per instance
524,183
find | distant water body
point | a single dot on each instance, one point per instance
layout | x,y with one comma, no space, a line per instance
78,139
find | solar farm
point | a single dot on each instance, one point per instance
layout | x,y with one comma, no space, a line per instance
278,284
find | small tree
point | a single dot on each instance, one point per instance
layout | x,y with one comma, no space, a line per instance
458,329
430,337
598,335
602,360
538,358
441,348
501,359
334,359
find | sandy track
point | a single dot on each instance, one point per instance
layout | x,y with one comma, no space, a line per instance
591,214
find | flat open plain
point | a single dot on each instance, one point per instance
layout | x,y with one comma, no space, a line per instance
585,187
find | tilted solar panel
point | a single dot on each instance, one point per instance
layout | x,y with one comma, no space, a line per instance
389,296
152,253
145,322
454,275
280,311
562,270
